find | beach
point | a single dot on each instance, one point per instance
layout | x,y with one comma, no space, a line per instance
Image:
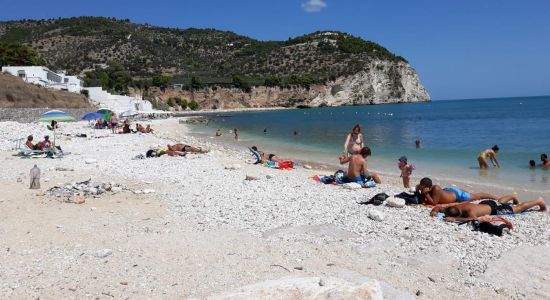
193,227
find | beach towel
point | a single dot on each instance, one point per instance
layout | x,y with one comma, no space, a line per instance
330,179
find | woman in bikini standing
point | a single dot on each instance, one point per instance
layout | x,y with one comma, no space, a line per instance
354,141
488,153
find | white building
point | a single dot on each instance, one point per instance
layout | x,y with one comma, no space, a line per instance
117,103
45,77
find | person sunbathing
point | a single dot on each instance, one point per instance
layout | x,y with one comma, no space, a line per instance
30,144
357,168
470,211
148,129
434,194
185,148
267,157
140,128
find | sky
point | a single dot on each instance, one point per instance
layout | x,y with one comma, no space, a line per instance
460,49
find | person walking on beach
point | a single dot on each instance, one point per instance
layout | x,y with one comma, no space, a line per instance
545,161
357,168
113,122
488,153
236,134
470,211
354,141
434,194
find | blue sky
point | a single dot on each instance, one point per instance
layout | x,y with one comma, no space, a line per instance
461,49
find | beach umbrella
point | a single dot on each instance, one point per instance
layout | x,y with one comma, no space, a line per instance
55,115
129,113
92,116
106,113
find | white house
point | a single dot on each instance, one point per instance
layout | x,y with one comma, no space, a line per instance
118,103
45,77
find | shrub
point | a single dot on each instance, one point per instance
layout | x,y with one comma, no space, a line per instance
193,105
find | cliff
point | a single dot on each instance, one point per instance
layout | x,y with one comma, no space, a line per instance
375,85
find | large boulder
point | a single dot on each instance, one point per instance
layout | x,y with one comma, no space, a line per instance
313,288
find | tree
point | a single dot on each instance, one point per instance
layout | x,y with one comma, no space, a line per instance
114,79
272,81
183,103
193,105
161,80
241,83
19,55
196,83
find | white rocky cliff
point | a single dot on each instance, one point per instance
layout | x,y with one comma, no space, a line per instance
380,82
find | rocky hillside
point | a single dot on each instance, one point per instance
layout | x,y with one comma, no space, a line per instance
364,87
328,68
15,93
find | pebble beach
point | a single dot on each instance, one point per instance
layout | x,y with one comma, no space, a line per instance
194,227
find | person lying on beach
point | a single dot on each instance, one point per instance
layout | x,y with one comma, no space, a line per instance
488,153
354,141
470,211
140,128
185,148
434,194
545,161
267,157
357,168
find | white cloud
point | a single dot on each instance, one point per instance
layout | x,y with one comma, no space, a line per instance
314,5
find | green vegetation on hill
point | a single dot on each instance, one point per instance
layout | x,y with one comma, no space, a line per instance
18,55
194,57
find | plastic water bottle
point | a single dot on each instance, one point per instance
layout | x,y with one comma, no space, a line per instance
35,178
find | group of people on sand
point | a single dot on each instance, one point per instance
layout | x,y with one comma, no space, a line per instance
113,124
43,145
444,199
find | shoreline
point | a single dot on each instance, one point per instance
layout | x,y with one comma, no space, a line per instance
205,230
328,168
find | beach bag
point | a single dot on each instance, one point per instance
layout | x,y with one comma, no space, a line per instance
377,199
287,164
410,198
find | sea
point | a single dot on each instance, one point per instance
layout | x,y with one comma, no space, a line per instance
452,135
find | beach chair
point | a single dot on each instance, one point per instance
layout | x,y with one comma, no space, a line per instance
25,152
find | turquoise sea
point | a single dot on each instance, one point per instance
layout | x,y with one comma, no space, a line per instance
452,134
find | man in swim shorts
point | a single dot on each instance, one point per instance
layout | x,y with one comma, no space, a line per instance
357,168
469,211
434,194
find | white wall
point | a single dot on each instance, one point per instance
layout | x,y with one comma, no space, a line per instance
117,103
45,77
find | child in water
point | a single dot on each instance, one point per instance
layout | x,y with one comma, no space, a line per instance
406,171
